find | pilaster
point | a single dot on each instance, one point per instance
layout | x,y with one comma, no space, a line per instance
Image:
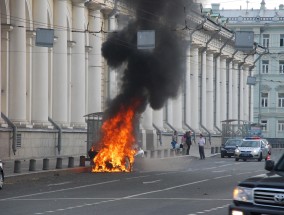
78,67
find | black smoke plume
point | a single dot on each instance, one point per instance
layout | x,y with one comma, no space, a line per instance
156,75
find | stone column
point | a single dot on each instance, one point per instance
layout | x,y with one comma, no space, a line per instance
59,91
177,112
246,95
0,70
230,90
194,83
218,93
158,118
210,91
39,109
241,92
223,77
5,68
235,91
17,77
203,90
95,70
113,75
78,67
170,111
187,91
147,119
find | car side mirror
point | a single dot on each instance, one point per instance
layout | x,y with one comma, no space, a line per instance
269,165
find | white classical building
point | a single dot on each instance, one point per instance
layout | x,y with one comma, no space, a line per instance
267,25
47,91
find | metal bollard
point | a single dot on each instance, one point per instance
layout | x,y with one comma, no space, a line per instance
45,164
70,162
32,166
82,160
59,163
17,166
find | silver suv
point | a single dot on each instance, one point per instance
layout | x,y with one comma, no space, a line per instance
252,148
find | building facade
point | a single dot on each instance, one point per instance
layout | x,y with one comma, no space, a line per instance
267,26
47,91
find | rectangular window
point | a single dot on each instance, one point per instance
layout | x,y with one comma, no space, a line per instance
265,40
281,66
281,100
281,40
281,125
264,99
264,125
265,64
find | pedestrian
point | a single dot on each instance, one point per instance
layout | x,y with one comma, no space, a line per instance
201,144
188,141
174,139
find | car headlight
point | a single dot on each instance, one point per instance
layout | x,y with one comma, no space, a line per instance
255,151
243,194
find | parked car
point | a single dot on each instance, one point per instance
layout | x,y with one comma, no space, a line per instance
261,194
252,148
1,175
228,149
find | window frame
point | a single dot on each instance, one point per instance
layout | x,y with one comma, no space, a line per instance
280,125
264,99
280,100
281,66
265,66
265,40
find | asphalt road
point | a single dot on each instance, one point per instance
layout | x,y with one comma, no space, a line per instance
171,186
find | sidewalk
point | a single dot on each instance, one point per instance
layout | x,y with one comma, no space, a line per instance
26,167
38,165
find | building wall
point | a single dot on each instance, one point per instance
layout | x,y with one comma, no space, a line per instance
263,21
62,83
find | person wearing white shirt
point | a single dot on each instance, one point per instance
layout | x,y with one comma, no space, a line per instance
201,144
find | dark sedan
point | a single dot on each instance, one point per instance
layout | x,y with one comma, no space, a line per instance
228,149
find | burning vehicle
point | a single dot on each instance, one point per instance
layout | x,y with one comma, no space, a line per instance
150,77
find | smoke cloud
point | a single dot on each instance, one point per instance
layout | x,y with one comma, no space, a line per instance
151,76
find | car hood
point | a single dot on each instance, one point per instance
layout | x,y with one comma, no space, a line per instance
273,179
247,148
230,147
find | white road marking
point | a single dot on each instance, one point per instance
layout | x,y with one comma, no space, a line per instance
219,171
209,210
67,182
151,182
224,176
60,190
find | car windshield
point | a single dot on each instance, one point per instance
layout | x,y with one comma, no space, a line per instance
233,142
253,144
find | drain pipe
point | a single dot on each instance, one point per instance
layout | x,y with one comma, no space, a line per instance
59,133
14,127
159,133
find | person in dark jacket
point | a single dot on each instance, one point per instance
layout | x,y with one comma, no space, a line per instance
188,141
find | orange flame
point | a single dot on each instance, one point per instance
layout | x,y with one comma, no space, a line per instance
117,152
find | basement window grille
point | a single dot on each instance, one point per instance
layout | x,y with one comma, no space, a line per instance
19,141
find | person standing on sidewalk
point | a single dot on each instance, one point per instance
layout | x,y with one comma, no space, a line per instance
201,144
188,141
174,139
